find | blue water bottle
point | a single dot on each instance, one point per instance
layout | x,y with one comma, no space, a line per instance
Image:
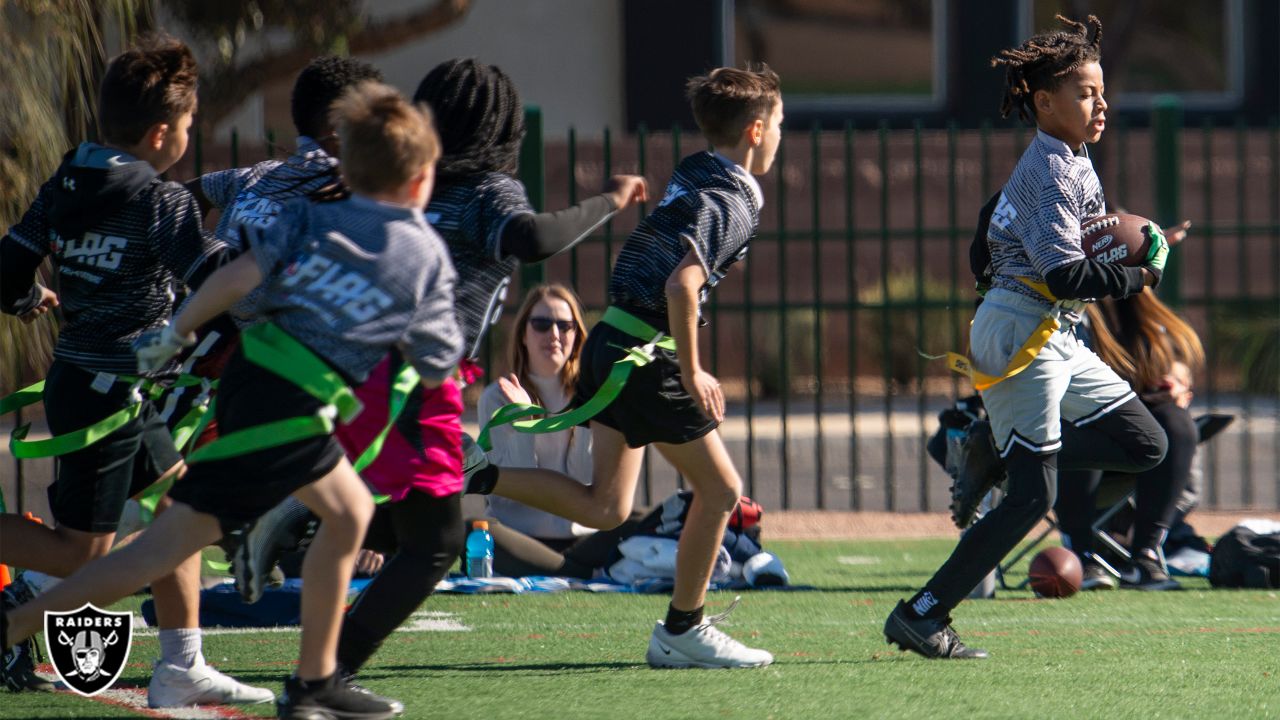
479,550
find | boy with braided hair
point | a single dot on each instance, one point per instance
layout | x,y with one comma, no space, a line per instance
1066,410
344,282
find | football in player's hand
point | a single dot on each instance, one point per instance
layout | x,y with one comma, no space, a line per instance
1117,238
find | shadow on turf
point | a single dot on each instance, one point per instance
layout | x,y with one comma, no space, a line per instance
392,671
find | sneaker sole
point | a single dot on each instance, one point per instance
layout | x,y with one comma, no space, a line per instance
319,713
665,664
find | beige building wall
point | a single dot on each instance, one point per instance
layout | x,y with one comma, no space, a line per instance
564,56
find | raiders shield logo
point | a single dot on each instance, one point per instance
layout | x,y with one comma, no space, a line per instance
88,647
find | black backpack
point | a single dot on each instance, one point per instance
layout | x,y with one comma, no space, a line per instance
1245,559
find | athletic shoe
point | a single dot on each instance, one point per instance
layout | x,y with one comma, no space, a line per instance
1098,574
930,637
331,699
474,460
349,679
172,686
274,534
18,663
1146,573
980,470
703,646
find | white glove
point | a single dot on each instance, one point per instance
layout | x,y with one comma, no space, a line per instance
155,348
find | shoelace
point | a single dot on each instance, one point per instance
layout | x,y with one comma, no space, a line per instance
715,634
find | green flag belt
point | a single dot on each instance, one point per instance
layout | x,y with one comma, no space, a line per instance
636,356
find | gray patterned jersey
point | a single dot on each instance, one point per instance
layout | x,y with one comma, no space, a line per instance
121,241
252,196
1036,224
712,207
470,215
351,279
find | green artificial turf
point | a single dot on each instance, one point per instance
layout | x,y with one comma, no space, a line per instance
1122,654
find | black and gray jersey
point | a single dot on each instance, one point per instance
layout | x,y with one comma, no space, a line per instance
121,241
1035,226
712,207
470,215
353,278
252,196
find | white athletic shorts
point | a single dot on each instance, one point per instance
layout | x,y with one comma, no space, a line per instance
1066,381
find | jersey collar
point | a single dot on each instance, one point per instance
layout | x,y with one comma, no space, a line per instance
745,176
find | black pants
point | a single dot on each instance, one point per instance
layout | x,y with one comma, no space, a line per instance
421,536
1128,439
1156,490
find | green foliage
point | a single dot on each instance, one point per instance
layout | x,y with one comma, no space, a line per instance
897,345
227,25
1246,340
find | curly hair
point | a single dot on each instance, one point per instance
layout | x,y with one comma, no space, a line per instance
1044,61
322,82
479,115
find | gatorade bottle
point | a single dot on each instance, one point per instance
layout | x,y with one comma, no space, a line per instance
479,550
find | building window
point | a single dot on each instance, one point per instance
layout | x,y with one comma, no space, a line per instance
1192,48
847,54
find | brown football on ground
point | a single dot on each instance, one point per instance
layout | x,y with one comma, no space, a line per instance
1056,573
1116,238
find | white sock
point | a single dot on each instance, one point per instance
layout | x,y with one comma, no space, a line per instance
181,647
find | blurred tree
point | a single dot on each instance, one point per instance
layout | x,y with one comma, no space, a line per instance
54,53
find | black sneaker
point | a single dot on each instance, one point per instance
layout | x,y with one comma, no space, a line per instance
1098,574
932,638
280,531
980,470
330,699
1147,573
349,679
18,663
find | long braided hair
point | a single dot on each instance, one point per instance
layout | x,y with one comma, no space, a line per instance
479,115
1042,62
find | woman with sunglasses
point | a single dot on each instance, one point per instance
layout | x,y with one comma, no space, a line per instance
546,343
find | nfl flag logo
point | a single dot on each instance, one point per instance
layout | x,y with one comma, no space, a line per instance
88,647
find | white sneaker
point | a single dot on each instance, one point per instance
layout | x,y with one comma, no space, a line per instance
702,646
172,686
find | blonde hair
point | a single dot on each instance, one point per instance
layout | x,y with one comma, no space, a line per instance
519,354
385,140
1141,338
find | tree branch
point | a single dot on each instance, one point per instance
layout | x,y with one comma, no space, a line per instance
224,91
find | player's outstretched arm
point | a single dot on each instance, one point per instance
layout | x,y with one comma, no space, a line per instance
216,295
534,238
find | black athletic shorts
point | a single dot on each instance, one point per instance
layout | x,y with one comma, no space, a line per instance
241,489
653,406
91,485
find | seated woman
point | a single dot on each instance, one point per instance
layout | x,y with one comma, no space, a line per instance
1157,352
546,342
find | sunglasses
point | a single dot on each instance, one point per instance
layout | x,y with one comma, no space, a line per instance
543,324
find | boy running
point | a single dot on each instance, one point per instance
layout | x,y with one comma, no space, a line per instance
1067,399
667,267
345,281
121,240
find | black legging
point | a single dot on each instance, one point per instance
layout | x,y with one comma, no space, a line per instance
421,536
1127,439
1157,490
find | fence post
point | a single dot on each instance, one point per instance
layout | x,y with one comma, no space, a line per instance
1166,124
533,162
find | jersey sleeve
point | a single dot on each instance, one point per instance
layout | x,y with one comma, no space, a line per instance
275,244
493,207
433,342
717,228
1053,229
222,187
33,231
178,236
